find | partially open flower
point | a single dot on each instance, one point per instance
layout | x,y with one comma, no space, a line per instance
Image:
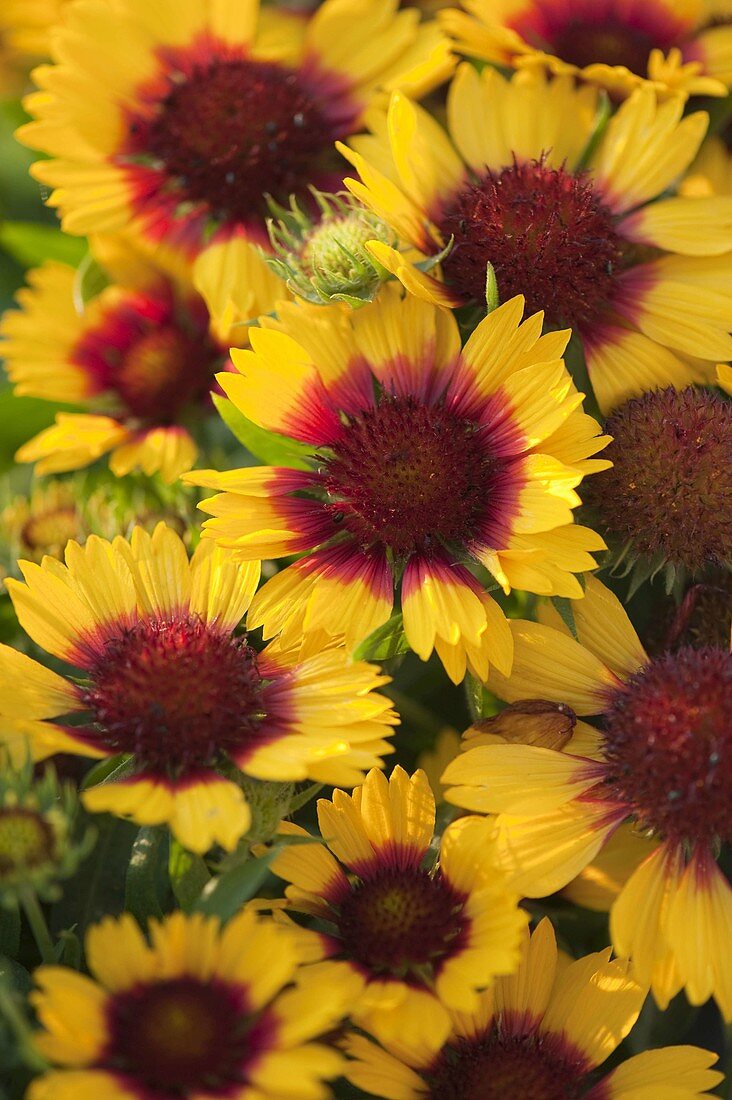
41,841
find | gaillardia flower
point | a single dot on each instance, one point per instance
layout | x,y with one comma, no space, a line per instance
427,459
177,122
422,931
168,684
541,1033
682,48
661,758
568,221
140,358
200,1013
666,502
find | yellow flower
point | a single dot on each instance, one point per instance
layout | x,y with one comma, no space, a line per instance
427,458
201,1013
711,172
660,759
578,228
177,119
680,46
540,1033
421,932
168,684
139,358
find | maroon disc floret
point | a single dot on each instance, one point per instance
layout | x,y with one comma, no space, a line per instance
548,235
182,1037
231,131
668,744
400,919
669,492
177,693
411,476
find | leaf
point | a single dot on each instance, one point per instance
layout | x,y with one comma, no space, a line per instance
189,875
30,244
224,896
110,770
147,873
9,930
98,887
388,640
14,975
91,279
68,949
564,607
269,447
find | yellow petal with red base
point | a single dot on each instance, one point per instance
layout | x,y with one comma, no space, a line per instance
516,779
624,364
30,690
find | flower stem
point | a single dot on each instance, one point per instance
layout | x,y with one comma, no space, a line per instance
38,926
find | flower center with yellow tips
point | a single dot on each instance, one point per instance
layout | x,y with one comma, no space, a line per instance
183,1036
26,841
176,693
400,919
49,531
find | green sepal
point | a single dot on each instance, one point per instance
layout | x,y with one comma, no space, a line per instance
270,448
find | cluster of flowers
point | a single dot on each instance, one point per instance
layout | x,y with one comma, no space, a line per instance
428,311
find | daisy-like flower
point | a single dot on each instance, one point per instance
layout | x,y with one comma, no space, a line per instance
140,358
680,47
178,119
666,502
428,459
421,929
201,1013
168,682
571,225
661,758
541,1033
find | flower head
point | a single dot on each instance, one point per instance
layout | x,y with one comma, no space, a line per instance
327,260
170,688
680,48
562,218
40,840
208,113
661,758
542,1032
139,358
428,460
666,502
423,932
194,1014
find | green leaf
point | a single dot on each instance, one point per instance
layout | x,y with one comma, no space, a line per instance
14,975
189,875
91,279
30,244
388,640
9,930
68,949
492,300
98,887
110,770
269,447
566,611
225,895
147,874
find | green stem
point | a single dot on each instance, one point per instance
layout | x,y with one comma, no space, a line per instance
20,1029
38,926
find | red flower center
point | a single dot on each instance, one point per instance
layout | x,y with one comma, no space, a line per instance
177,693
588,32
400,919
228,132
181,1036
547,234
669,492
506,1067
155,355
668,743
409,475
